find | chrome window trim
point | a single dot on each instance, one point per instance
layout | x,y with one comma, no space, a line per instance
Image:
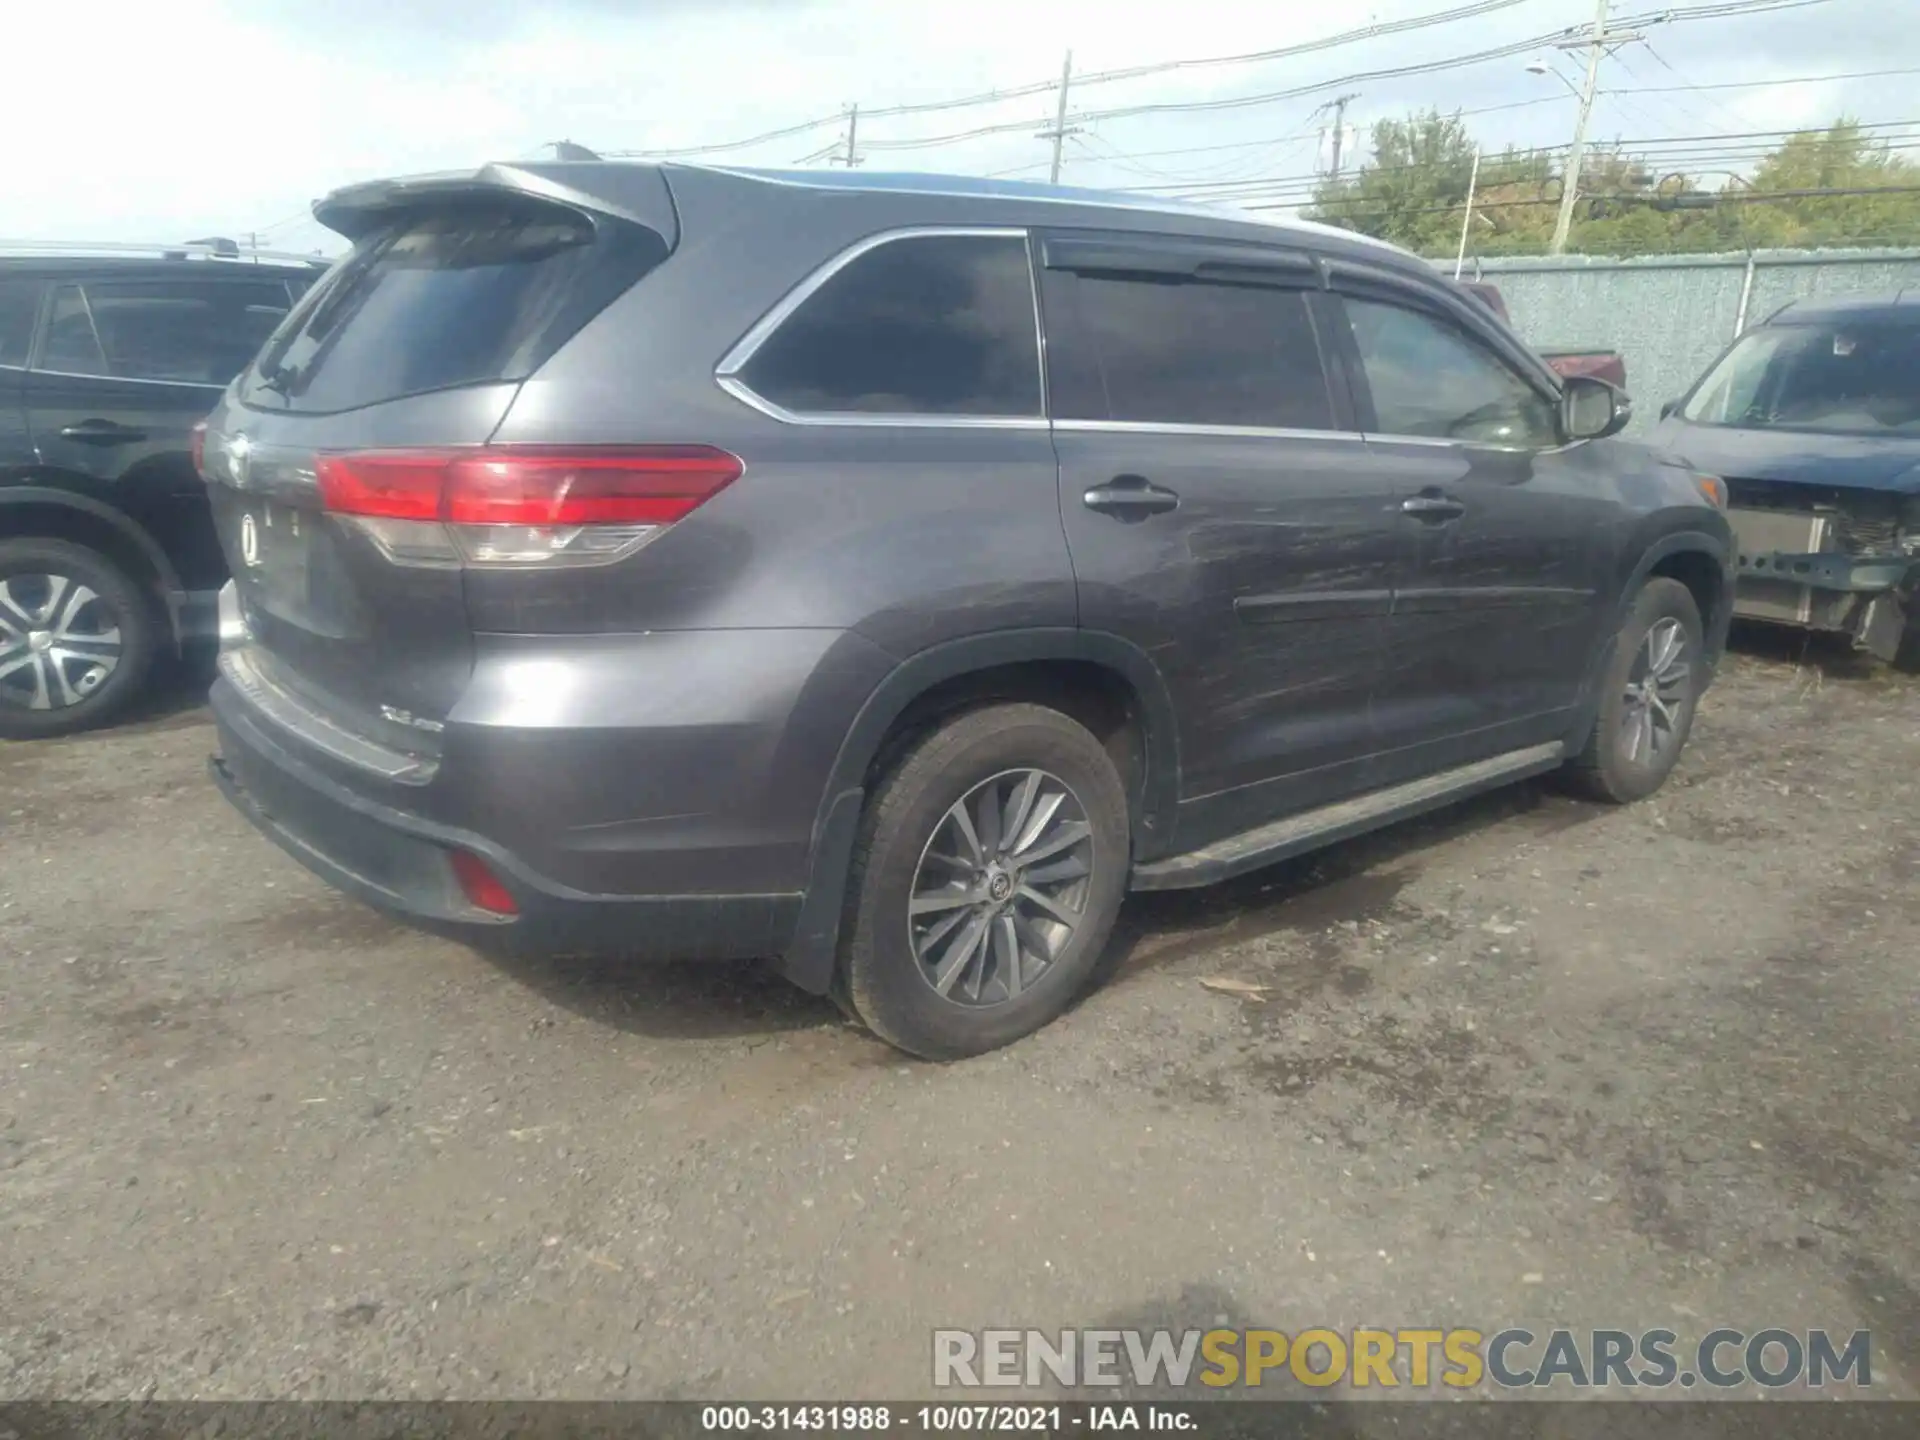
727,373
868,419
115,379
1039,326
1171,427
1441,442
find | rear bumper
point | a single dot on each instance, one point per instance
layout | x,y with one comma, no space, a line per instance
400,863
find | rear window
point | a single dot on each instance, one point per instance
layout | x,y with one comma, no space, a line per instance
925,325
458,295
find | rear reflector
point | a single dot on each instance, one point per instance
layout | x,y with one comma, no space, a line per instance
640,485
198,445
480,885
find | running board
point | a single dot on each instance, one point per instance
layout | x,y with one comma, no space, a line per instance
1313,828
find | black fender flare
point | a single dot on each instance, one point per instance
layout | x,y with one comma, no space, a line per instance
121,523
1672,542
1676,542
809,960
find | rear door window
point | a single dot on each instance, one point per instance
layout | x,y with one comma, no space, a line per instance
199,331
19,309
1183,352
459,295
923,325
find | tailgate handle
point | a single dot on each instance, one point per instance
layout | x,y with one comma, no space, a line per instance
101,432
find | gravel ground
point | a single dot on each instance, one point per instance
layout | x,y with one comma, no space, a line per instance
1529,1062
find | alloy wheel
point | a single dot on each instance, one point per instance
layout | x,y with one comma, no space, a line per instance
1001,887
1659,689
59,641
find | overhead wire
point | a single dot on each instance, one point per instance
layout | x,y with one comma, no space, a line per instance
1724,9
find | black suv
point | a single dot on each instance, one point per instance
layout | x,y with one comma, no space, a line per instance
888,573
107,552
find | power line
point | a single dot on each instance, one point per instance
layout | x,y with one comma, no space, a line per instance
1726,197
1676,150
1105,77
1417,22
1510,105
1427,67
1309,189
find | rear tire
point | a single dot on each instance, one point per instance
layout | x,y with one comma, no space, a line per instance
77,639
1906,659
987,875
1649,690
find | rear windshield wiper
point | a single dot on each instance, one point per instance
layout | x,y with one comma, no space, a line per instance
271,375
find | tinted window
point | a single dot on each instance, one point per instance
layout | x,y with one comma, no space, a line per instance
19,308
1187,354
1843,377
72,345
202,332
459,296
1432,380
930,325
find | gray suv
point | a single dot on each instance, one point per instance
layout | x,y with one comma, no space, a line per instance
887,574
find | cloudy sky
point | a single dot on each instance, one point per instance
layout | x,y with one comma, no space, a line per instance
195,117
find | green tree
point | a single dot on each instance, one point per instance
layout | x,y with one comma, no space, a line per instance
1412,190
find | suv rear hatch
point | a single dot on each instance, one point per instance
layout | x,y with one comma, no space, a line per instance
347,466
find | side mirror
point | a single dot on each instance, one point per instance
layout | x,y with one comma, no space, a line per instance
1670,409
1591,409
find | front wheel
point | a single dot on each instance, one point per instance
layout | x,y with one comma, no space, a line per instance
986,880
77,637
1649,691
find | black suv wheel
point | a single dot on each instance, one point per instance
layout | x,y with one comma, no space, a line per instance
988,874
1648,694
77,637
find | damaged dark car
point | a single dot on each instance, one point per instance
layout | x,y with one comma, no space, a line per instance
1813,418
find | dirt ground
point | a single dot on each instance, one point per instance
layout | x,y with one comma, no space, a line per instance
1529,1062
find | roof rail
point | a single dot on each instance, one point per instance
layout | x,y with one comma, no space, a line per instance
214,248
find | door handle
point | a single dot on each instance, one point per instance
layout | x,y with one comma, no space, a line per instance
1437,508
101,432
1130,497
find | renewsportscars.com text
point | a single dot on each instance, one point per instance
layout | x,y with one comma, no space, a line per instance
1415,1358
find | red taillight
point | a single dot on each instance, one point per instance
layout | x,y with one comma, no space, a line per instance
480,885
655,486
390,484
640,485
198,446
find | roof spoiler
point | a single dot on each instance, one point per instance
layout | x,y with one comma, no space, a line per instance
632,192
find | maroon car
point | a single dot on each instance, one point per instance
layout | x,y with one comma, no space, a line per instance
1608,365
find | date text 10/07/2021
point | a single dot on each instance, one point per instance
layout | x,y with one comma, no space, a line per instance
947,1419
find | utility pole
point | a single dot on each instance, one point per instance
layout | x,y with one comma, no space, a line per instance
1339,105
851,157
1058,134
1596,46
